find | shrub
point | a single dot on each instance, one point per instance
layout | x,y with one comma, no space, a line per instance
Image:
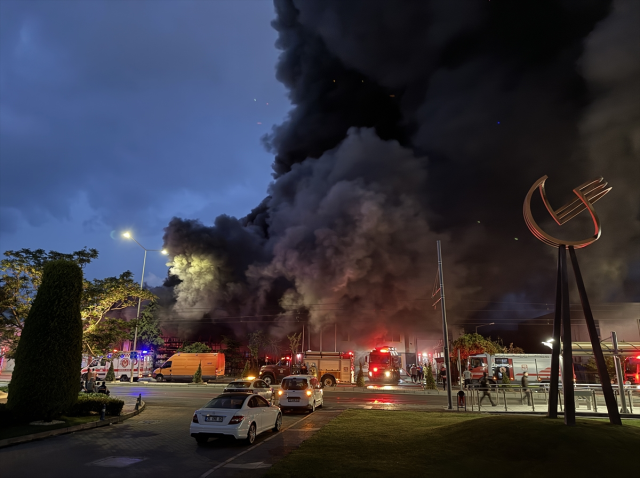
47,371
505,378
92,402
360,379
430,383
111,374
247,369
197,377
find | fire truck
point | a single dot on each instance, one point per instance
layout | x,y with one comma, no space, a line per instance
142,365
331,368
513,365
384,365
632,370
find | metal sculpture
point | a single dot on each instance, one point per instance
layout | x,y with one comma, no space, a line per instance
587,194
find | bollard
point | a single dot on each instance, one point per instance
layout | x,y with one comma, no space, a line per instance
138,402
103,412
462,401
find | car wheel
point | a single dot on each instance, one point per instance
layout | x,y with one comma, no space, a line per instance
278,425
201,440
159,378
268,379
251,434
124,378
327,381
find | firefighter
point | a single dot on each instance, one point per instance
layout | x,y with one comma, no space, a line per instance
525,387
484,386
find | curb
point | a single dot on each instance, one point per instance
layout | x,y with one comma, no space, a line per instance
63,431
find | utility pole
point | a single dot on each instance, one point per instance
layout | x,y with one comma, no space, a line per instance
445,332
619,374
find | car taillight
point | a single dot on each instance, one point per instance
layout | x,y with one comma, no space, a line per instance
279,392
309,392
236,419
195,418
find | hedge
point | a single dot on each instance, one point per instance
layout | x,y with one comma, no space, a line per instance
92,402
45,379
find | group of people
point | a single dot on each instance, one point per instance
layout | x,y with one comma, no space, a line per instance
91,385
485,388
416,372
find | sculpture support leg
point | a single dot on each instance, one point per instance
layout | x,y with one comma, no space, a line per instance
552,411
605,380
567,355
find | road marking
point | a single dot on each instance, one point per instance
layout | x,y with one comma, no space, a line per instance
117,461
249,466
304,430
224,463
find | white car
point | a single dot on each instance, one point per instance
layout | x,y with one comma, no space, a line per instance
240,415
300,392
256,386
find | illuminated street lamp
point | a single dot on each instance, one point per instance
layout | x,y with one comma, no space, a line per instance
128,235
548,343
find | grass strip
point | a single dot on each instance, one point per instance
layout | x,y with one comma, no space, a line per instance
12,431
399,443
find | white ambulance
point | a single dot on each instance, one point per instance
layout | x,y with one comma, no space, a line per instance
142,365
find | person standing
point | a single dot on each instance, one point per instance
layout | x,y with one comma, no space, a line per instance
443,376
414,373
466,375
484,386
525,388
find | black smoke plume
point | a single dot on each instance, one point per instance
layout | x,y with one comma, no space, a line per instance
417,121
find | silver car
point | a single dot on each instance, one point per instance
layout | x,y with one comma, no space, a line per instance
256,386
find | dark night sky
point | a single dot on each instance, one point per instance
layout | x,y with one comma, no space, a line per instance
386,129
120,115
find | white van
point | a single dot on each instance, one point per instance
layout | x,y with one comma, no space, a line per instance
300,392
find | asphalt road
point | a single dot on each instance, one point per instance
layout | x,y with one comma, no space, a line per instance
157,442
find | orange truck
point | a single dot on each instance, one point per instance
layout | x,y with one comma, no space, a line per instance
182,366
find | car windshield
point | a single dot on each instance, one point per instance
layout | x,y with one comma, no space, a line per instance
294,384
234,403
239,385
379,358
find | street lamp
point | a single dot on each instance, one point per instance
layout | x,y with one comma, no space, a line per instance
548,343
128,235
492,323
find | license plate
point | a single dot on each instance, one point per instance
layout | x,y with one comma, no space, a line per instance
213,419
294,399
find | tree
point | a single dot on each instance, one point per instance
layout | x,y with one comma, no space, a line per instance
111,374
514,350
197,377
273,346
247,370
148,327
471,344
591,367
102,338
20,277
360,379
294,342
256,340
51,340
430,382
103,296
232,355
195,348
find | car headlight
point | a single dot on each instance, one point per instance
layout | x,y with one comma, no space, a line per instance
387,374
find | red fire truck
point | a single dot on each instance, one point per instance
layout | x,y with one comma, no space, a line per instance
632,370
384,365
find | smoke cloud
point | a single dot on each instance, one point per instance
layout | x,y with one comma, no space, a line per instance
427,122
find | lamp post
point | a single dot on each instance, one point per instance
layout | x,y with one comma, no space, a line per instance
144,263
477,327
